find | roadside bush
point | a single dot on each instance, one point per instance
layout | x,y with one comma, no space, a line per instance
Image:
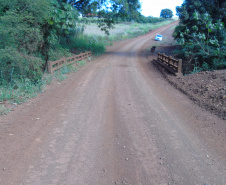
14,64
58,52
35,32
88,43
21,38
202,35
19,90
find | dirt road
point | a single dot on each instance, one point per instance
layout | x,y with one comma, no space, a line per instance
115,121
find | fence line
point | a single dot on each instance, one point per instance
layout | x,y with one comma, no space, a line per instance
53,66
171,64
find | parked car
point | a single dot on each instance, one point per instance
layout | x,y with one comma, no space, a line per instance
158,37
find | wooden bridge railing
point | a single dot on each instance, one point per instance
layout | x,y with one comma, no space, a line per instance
171,64
53,66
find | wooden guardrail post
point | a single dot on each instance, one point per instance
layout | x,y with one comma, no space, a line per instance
159,56
49,67
164,58
170,61
180,66
65,61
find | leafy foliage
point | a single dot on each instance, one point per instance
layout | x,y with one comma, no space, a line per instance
33,32
202,34
166,13
21,37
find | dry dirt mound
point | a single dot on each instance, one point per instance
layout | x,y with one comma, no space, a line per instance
207,89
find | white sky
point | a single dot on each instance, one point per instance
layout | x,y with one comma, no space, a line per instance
154,7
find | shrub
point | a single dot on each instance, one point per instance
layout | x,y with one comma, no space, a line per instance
14,64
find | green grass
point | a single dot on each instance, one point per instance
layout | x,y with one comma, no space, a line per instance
47,79
96,44
95,40
72,68
173,28
81,63
123,31
59,75
19,91
4,110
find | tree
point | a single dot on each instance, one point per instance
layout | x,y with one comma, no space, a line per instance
166,13
21,37
202,35
216,9
31,31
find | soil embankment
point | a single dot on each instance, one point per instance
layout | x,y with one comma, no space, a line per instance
207,89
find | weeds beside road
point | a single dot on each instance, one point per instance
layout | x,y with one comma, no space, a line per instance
114,121
123,31
20,90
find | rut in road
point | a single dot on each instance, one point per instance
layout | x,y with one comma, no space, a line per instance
115,121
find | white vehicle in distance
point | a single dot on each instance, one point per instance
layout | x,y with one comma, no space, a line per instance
158,37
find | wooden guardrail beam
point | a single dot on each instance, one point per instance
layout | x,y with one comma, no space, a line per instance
53,66
169,63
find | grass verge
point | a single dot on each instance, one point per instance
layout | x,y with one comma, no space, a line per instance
96,41
4,110
19,91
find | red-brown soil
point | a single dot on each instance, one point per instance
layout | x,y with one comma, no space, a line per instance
207,89
115,121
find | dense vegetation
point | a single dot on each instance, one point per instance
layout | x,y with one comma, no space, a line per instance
202,34
29,32
166,13
117,20
34,32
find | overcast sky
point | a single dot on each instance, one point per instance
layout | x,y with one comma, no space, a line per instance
154,7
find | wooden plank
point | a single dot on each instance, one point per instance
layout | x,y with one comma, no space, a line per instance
166,67
50,69
66,61
180,66
171,64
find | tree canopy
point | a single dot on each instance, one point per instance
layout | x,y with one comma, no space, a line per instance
201,32
166,13
33,32
30,31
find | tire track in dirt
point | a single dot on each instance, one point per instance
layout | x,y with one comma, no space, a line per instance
115,121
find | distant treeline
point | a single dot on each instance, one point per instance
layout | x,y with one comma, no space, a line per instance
141,19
